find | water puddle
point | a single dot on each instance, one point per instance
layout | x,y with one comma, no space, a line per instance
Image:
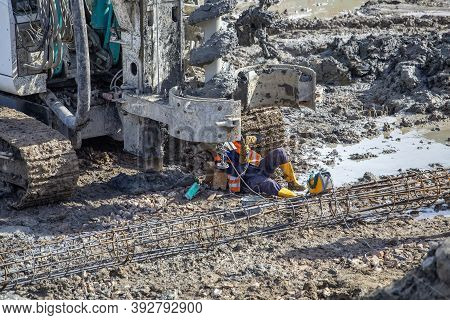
405,9
440,208
390,154
387,154
310,8
316,8
430,213
441,136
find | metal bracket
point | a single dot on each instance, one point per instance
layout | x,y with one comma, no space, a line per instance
273,85
189,118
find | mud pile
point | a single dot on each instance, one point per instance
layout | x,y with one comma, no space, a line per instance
400,58
363,21
431,280
406,73
220,43
222,85
412,73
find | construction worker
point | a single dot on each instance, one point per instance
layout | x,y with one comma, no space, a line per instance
256,171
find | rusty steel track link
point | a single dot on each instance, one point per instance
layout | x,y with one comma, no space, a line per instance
160,238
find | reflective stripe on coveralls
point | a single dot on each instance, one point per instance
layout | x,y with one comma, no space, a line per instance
254,158
234,183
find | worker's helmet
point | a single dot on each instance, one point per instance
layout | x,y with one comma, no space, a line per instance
319,182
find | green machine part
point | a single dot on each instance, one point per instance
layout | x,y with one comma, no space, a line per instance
102,21
59,68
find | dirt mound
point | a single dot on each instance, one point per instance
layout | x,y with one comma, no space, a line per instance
431,280
402,73
363,21
414,76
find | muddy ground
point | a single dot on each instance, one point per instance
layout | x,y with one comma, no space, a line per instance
385,58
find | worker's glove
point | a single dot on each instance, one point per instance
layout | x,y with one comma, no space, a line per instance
245,149
244,155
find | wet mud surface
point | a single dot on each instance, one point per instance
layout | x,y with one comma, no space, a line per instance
370,63
383,71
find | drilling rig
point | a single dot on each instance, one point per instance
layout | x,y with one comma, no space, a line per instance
71,70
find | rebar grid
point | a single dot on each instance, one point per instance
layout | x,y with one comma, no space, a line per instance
153,239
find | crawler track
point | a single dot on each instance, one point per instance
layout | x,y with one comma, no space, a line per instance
36,159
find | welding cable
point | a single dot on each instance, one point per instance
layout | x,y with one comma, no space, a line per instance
44,14
51,34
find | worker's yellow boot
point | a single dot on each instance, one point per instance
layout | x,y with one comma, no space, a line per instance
286,193
289,176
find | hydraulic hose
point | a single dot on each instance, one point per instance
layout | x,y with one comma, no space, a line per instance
83,78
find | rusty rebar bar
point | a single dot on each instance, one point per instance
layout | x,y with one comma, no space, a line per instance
160,238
